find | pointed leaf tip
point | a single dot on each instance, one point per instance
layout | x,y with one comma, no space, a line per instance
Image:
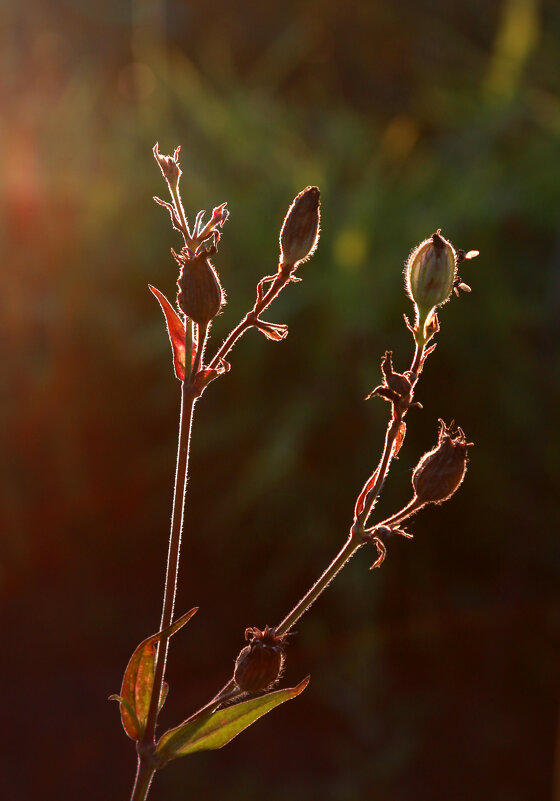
215,729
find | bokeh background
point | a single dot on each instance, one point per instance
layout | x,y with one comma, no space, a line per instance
433,678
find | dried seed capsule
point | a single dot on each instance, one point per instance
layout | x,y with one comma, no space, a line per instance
200,294
300,231
441,470
430,273
260,663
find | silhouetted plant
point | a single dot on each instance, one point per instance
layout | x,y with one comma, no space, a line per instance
430,277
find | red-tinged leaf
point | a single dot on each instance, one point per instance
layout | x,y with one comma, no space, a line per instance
176,331
138,680
399,439
360,502
215,729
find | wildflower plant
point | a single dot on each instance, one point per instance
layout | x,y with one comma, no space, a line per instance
431,278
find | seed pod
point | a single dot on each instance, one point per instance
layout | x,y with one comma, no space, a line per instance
300,231
260,663
200,294
430,273
440,471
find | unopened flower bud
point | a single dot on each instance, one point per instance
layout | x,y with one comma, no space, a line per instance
430,273
260,663
200,294
441,470
300,231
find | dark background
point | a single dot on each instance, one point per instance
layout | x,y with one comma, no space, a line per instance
433,678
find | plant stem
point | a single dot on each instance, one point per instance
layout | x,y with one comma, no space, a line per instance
144,776
355,539
349,549
145,768
176,195
280,280
391,434
187,405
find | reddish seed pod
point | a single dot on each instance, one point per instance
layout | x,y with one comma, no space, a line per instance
260,663
200,294
440,471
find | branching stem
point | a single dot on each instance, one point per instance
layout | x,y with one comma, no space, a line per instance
278,283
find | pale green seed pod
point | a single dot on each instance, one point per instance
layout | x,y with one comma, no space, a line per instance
430,272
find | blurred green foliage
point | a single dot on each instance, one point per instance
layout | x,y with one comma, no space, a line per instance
435,677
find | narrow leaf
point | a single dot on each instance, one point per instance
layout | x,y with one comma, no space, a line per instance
176,331
163,695
274,331
124,703
216,729
361,500
399,439
138,680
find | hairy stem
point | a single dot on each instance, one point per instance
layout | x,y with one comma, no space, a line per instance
280,280
145,768
200,345
144,776
349,549
388,449
178,203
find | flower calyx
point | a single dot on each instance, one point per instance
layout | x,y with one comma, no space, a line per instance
200,295
440,472
397,388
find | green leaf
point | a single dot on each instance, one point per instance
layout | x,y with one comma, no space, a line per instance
215,729
138,681
176,330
